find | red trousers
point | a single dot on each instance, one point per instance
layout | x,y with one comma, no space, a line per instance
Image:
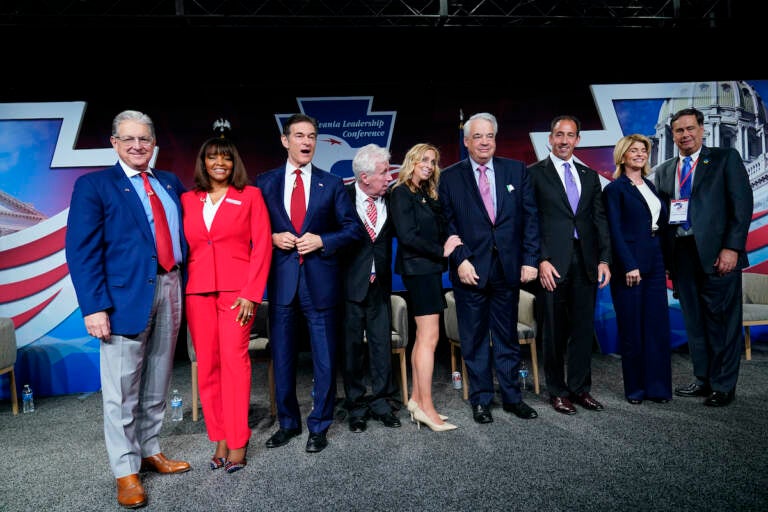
223,366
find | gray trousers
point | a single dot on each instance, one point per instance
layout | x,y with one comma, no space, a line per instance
135,376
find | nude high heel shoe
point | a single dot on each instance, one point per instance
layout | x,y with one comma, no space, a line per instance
412,406
420,418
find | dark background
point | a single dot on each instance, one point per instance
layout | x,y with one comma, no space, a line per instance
185,77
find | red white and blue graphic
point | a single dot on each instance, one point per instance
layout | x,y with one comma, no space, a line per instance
40,160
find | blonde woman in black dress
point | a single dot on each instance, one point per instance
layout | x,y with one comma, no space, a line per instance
422,249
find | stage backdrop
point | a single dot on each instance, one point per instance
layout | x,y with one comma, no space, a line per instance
45,146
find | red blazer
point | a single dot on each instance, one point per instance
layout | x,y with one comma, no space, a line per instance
236,253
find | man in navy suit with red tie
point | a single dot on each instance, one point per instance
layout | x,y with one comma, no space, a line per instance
500,234
305,276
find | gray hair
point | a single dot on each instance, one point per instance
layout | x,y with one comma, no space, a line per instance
481,115
367,157
132,115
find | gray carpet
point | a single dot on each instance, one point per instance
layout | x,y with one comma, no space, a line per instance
679,456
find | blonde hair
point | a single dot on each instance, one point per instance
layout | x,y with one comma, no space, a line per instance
623,145
412,159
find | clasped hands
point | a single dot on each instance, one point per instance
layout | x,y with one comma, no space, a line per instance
304,244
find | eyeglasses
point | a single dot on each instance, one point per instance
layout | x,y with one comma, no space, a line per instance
142,141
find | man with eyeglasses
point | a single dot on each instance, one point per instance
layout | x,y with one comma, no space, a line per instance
129,291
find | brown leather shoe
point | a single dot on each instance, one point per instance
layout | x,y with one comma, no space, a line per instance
587,401
562,404
130,492
161,464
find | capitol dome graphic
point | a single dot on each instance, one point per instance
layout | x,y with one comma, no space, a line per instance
734,117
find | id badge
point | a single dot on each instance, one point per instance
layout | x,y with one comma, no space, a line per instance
678,211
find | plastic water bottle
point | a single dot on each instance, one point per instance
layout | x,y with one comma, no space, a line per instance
27,400
522,373
176,406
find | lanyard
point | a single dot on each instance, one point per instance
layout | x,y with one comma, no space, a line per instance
683,179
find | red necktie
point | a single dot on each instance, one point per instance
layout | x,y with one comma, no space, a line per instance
162,233
298,206
370,210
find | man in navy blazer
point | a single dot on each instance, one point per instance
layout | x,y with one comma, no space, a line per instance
305,278
708,253
500,250
128,300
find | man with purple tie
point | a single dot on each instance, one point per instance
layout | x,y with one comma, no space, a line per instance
575,257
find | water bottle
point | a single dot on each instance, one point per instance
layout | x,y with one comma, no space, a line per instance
522,373
27,400
176,406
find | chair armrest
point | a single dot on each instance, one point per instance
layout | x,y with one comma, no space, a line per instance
526,309
399,318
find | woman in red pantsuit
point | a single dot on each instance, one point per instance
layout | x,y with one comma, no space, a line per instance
227,227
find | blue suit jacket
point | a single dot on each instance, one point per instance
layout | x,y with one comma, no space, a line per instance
629,221
515,232
110,248
331,215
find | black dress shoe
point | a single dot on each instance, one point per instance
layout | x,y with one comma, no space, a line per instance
521,410
720,398
358,424
316,442
587,401
282,437
562,405
634,401
693,389
389,419
660,400
482,413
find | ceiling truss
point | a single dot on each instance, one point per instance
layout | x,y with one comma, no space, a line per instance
371,13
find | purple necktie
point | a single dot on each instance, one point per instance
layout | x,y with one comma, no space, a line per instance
485,192
572,190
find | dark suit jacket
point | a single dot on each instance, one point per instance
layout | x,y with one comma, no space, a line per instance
629,219
720,206
358,257
110,247
557,220
420,232
515,232
332,216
